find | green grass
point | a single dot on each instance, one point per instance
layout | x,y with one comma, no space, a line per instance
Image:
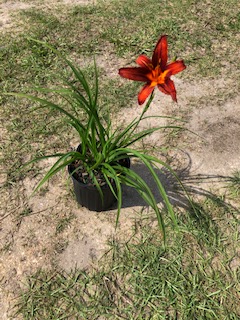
139,279
234,186
131,28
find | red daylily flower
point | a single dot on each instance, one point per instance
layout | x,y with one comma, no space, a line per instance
155,72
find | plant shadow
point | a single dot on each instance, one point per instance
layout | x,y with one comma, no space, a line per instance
132,198
201,209
195,186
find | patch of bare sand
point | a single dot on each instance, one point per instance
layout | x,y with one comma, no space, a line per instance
79,2
219,153
215,152
7,11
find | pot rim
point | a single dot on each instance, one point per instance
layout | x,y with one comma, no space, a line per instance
86,185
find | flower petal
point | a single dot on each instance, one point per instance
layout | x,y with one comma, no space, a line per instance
175,67
144,93
160,53
137,74
169,88
161,88
144,62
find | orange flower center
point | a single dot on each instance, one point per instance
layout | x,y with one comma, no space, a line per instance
156,76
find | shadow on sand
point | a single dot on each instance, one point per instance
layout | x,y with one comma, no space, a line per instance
196,187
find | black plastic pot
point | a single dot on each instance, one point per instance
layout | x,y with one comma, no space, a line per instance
88,195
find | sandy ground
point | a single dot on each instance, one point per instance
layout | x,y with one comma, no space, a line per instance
33,240
8,9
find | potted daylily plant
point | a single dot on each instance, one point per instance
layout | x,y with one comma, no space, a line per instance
100,164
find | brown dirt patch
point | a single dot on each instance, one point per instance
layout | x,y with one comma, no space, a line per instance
7,11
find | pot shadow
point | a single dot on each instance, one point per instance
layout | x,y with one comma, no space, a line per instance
204,217
194,185
132,198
